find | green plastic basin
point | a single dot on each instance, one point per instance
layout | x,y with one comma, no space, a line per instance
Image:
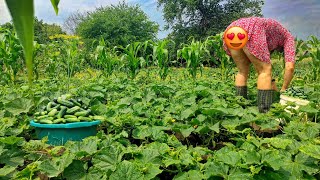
59,134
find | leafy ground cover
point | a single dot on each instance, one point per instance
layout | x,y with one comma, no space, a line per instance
178,128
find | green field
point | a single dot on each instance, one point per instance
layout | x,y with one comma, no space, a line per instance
168,110
177,128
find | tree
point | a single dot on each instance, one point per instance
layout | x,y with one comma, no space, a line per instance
71,23
42,30
119,24
202,18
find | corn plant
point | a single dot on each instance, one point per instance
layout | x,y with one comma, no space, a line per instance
131,59
22,13
11,54
193,54
312,50
69,54
38,48
106,58
217,54
161,57
52,63
301,50
315,64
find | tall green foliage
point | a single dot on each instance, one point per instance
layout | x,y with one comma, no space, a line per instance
132,59
11,55
202,18
120,24
161,57
22,13
193,53
106,58
23,19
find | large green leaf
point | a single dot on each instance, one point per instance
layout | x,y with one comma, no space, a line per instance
190,175
250,157
228,156
108,158
6,170
87,146
187,112
239,174
151,171
301,163
22,13
11,140
216,169
127,170
277,142
19,105
6,123
12,157
141,132
76,170
150,156
274,158
311,150
57,165
272,175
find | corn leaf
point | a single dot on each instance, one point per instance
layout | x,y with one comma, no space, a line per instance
22,14
55,4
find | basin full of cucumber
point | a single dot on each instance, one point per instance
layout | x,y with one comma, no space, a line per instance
65,109
295,92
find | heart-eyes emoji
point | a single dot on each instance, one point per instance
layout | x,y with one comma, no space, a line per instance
235,38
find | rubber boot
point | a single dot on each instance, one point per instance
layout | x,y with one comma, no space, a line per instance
242,91
265,100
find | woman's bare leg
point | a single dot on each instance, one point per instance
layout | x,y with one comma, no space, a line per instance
263,69
243,65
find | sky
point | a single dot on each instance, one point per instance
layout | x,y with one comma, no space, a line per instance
301,17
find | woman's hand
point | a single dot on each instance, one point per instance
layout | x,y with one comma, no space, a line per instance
288,75
282,90
274,85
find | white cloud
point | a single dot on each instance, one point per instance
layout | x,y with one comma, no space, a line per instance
4,13
300,17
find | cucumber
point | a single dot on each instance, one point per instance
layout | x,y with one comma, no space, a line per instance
73,110
66,96
101,118
82,118
43,113
69,116
79,101
57,107
42,117
49,118
55,100
65,102
53,112
62,112
59,120
43,108
72,120
75,102
46,121
49,106
81,113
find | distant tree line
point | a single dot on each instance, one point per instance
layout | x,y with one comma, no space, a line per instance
123,24
42,30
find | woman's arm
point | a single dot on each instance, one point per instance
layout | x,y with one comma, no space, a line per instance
289,56
288,75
